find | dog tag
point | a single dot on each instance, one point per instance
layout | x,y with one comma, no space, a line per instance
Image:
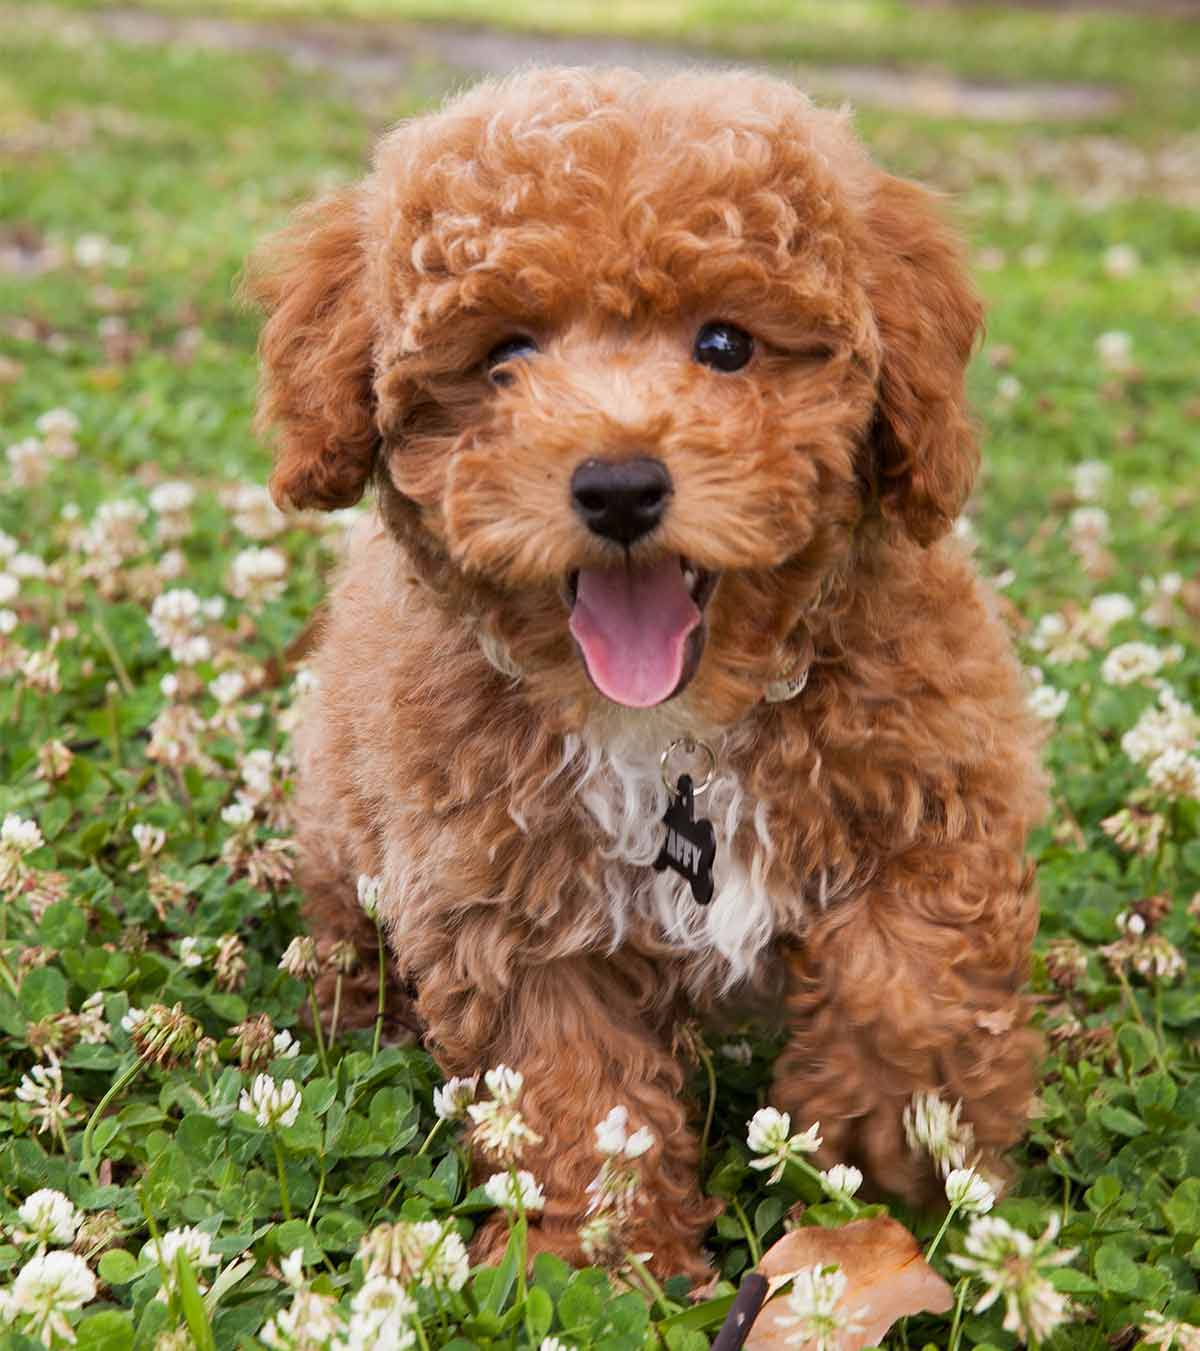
691,844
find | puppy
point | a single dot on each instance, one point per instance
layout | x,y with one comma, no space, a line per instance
659,385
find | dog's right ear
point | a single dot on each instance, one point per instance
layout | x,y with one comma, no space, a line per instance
315,353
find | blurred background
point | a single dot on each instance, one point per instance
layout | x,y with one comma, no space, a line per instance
144,149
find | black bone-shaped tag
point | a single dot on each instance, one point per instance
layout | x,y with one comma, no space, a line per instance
691,844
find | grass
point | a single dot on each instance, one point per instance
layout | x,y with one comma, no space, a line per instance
180,160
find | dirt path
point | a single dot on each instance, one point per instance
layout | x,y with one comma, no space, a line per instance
369,60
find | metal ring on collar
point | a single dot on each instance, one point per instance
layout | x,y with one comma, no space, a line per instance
690,746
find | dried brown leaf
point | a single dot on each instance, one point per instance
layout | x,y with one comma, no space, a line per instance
886,1275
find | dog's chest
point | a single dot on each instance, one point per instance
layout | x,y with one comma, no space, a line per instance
621,788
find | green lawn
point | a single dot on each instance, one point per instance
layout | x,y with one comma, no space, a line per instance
133,182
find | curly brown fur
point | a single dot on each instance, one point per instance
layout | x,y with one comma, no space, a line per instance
872,828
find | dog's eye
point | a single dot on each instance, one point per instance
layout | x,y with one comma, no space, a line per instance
724,347
518,346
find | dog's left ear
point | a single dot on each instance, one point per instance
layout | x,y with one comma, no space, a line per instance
928,316
315,354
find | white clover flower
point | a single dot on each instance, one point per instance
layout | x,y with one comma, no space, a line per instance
20,835
553,1344
257,576
379,1314
93,1028
641,1141
8,622
254,514
8,545
42,1091
1008,388
28,567
740,1052
46,1289
1131,662
768,1135
257,768
27,462
310,1322
1090,479
932,1125
499,1127
149,839
1088,526
113,536
600,1236
1012,1264
841,1181
369,889
1046,702
1158,958
968,1192
1173,725
93,251
10,588
172,504
1174,774
300,958
611,1132
58,422
504,1084
47,1218
1121,260
1137,831
423,1251
162,1035
271,1104
292,1267
450,1102
1107,610
1169,1334
195,1243
41,671
506,1191
175,620
1131,923
614,1140
237,815
1162,595
284,1046
1060,643
814,1309
189,952
228,688
169,499
1115,351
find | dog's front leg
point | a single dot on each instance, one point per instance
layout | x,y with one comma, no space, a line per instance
914,987
586,1038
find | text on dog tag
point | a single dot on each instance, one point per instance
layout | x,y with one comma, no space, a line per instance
691,845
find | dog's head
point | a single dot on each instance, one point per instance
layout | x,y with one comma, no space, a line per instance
635,364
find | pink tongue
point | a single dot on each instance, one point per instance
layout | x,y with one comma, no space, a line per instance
632,624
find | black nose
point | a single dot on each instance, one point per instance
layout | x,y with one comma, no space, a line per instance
622,501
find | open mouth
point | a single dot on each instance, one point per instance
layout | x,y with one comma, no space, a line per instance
640,627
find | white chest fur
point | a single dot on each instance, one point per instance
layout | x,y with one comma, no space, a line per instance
621,786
